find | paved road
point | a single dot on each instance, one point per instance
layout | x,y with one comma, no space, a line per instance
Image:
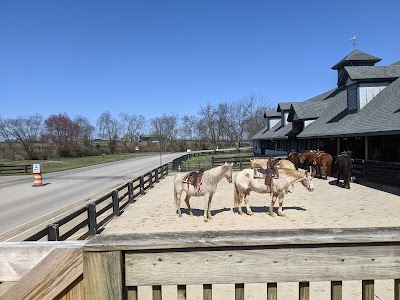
23,206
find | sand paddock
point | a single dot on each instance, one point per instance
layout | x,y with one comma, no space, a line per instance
328,206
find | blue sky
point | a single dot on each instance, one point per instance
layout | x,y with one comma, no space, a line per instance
156,57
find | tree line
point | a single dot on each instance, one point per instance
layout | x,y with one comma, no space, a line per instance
227,124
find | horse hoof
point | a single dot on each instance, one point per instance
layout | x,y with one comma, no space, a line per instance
251,214
180,216
282,215
272,214
205,221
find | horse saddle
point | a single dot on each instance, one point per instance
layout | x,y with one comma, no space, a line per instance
194,178
269,174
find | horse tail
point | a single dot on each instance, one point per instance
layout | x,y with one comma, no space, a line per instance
175,192
236,198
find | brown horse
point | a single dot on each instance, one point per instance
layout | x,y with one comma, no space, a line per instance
294,157
309,157
324,161
318,159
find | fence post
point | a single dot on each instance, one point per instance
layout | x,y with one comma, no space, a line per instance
240,163
130,192
156,175
92,223
115,203
141,185
167,171
53,233
150,179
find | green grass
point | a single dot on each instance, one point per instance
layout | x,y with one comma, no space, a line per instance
204,161
67,163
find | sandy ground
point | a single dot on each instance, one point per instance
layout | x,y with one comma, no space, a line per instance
328,206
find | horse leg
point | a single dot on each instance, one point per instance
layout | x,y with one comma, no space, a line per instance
209,215
188,205
338,178
271,207
178,203
280,209
247,202
206,205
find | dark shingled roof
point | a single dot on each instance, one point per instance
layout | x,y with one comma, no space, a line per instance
282,133
396,63
321,97
380,115
356,56
271,113
267,135
307,110
372,72
284,106
258,134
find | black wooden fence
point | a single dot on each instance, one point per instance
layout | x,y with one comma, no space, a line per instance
89,220
17,169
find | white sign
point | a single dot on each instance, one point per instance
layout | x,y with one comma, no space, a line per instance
36,168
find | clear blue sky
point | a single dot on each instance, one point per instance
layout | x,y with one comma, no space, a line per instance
155,57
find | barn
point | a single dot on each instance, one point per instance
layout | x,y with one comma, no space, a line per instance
361,114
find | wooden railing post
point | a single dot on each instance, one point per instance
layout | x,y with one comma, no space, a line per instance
53,232
92,222
304,290
103,275
272,291
115,203
141,185
397,289
156,176
150,179
367,290
130,192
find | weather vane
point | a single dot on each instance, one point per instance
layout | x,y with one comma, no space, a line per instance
353,41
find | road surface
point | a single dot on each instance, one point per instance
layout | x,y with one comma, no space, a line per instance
23,206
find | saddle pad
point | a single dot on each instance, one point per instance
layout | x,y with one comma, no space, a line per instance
258,174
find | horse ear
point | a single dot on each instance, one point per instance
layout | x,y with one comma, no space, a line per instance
232,164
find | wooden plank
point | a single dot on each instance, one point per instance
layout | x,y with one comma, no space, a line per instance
103,273
73,292
5,286
336,290
132,293
239,291
17,259
239,238
207,291
304,291
397,289
264,265
272,291
367,290
50,277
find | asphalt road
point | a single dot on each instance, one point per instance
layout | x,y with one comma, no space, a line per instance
23,206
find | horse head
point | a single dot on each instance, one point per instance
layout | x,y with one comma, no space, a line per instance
229,170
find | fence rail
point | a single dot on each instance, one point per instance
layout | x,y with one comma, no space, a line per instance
89,220
115,265
17,169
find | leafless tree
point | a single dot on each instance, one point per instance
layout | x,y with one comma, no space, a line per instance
166,128
108,128
24,130
209,125
188,127
131,126
86,130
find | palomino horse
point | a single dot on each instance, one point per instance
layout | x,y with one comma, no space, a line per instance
208,187
268,162
245,182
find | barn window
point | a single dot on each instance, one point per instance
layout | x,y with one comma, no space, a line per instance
285,115
352,101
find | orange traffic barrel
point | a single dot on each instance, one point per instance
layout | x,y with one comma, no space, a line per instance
37,179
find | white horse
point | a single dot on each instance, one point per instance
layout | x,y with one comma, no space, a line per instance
245,182
208,187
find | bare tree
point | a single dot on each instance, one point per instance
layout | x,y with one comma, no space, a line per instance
165,127
131,126
26,131
209,125
188,127
108,129
86,130
63,133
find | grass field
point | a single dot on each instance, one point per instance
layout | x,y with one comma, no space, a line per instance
67,163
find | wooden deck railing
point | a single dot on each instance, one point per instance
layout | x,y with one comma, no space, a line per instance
116,265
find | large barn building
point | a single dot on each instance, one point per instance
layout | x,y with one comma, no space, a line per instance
361,114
